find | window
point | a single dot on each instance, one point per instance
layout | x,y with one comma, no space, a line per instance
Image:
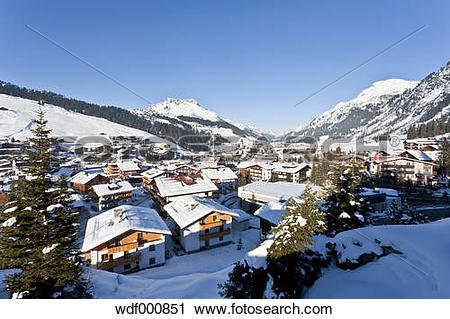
221,228
214,218
151,248
221,238
125,253
105,257
152,261
127,266
140,236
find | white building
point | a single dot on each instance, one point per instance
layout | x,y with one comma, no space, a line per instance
125,239
200,222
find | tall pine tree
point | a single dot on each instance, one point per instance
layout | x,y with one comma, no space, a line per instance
294,233
344,205
38,234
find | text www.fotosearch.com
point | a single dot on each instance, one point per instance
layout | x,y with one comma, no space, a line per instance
137,308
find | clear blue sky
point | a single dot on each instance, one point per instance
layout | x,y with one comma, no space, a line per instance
249,61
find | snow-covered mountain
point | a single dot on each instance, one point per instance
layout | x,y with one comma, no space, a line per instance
387,106
16,115
189,112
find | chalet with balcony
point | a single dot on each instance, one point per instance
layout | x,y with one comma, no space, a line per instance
200,223
418,172
289,172
125,239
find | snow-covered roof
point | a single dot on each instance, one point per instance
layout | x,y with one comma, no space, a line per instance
434,155
128,166
290,168
112,188
419,155
221,173
247,164
77,201
116,221
272,212
277,191
170,186
189,209
153,172
83,177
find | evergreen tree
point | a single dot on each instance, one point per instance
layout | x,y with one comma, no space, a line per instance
244,282
245,179
444,158
344,205
319,172
301,221
39,231
404,215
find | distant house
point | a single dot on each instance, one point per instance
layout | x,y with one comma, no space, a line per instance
257,194
123,169
259,172
167,189
125,239
83,181
293,173
418,172
200,223
224,178
112,194
422,144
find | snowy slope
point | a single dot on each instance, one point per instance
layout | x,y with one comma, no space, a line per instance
389,106
183,107
190,114
16,116
353,116
421,271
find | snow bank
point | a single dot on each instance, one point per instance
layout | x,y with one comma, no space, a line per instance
420,271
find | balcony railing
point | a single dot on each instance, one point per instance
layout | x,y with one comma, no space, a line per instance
119,261
124,247
211,225
215,235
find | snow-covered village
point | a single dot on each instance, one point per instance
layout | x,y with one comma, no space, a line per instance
145,183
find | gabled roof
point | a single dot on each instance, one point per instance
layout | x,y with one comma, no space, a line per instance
112,188
222,173
189,209
418,155
170,186
273,211
114,222
83,177
128,166
153,173
290,168
277,191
